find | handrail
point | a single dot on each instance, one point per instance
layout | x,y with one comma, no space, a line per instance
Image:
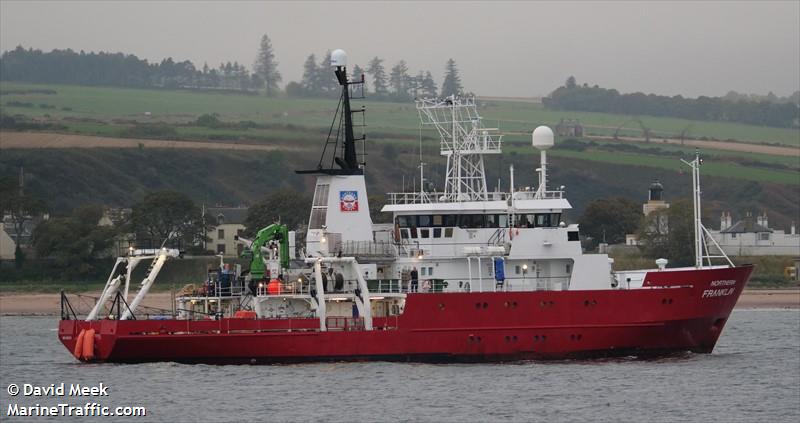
424,197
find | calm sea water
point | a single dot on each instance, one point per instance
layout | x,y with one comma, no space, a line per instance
753,375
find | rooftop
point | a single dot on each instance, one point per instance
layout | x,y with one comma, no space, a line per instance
228,215
747,225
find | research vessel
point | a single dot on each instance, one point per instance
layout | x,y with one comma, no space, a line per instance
461,274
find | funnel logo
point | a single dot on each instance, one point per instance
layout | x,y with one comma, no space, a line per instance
348,201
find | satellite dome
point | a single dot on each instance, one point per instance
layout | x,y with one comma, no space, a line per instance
542,137
338,58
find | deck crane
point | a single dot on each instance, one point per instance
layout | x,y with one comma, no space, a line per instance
274,232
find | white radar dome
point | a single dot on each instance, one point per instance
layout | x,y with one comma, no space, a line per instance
542,137
338,58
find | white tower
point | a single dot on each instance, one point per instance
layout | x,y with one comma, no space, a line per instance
464,142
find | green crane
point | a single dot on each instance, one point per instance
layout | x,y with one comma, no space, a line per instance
274,232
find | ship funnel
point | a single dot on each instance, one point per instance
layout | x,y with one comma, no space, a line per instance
338,58
542,139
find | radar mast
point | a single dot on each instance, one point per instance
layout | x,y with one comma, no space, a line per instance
464,141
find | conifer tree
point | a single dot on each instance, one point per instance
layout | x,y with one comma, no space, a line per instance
452,82
378,74
266,67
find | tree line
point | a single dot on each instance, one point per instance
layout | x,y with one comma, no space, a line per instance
127,70
121,70
732,108
396,85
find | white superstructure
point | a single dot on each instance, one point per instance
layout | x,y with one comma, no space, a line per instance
469,239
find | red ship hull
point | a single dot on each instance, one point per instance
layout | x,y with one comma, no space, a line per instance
676,311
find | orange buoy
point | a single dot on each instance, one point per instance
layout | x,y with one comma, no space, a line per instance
274,287
79,345
88,345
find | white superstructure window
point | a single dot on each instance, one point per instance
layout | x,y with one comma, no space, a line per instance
319,207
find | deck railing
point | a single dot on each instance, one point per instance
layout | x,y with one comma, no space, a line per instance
433,197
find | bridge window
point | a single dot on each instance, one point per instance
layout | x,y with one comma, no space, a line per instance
413,232
437,220
573,236
450,220
437,232
404,233
542,220
526,221
539,220
404,221
471,221
497,221
424,221
424,233
448,232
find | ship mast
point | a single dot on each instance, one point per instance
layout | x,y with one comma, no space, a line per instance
700,232
464,142
341,130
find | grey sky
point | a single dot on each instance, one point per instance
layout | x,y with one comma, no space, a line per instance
502,48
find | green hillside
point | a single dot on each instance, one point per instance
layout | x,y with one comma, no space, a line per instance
733,180
183,106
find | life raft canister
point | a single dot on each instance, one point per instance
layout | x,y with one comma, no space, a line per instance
274,287
78,353
244,314
88,345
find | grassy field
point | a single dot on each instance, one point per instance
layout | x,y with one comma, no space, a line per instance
120,112
183,106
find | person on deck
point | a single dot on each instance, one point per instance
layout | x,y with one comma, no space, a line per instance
414,280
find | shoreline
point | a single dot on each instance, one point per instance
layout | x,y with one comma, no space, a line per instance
40,304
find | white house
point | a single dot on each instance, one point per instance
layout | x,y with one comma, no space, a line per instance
229,222
754,237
